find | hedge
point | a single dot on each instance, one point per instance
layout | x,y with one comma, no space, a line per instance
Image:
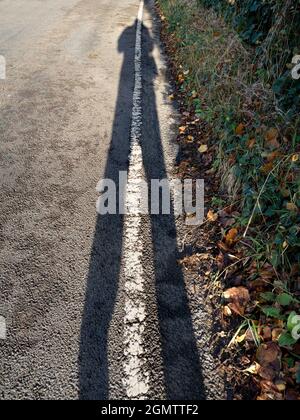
272,29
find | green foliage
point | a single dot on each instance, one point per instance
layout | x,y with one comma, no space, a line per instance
286,340
221,71
285,299
230,83
271,312
292,321
268,297
272,28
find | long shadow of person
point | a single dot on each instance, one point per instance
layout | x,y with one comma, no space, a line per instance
105,259
182,370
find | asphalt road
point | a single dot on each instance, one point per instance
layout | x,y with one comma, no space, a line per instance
65,120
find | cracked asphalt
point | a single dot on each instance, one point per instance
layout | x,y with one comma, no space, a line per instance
65,120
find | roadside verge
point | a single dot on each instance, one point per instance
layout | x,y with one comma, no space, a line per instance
234,136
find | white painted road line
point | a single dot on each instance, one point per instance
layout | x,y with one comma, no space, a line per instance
2,328
136,376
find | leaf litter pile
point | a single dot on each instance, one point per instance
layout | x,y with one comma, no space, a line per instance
250,262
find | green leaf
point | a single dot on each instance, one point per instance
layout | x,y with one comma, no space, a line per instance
275,258
268,296
284,299
290,361
272,312
292,321
286,340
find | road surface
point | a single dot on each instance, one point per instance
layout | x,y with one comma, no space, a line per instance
95,307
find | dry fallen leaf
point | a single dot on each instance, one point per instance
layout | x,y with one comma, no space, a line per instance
182,129
240,129
271,138
274,155
211,216
231,237
227,311
238,298
190,139
203,148
295,158
271,134
267,168
226,223
276,333
226,219
192,261
251,143
269,354
266,333
292,207
223,247
180,78
253,369
267,373
280,385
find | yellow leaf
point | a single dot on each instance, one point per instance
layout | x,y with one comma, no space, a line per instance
292,207
295,158
281,386
190,138
203,148
211,216
267,168
253,369
240,338
172,97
